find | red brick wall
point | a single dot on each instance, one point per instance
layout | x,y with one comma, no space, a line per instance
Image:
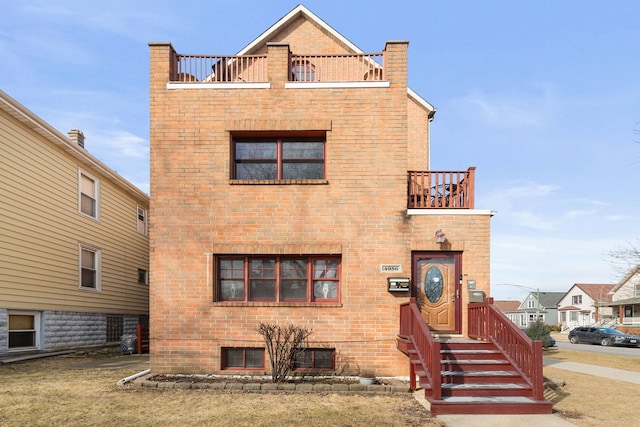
359,212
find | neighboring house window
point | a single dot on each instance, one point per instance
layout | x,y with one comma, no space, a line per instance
142,220
637,290
23,330
532,318
574,316
563,316
316,358
89,268
279,158
89,190
242,358
531,304
576,299
282,279
143,276
303,71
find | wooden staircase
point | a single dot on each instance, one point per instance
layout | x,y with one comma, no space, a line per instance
498,371
476,378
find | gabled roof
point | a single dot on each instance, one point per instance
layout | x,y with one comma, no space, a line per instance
301,10
626,278
547,299
597,292
507,305
72,149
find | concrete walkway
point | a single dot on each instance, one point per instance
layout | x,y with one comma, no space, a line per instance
596,371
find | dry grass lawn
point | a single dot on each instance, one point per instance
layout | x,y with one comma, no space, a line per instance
60,392
56,392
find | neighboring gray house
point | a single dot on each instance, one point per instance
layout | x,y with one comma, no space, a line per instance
537,304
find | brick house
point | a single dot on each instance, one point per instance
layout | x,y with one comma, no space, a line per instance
74,251
291,183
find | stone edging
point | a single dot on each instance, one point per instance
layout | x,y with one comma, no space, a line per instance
272,387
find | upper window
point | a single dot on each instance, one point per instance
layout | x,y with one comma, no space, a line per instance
142,220
89,189
576,299
282,279
279,158
531,303
303,71
89,268
143,276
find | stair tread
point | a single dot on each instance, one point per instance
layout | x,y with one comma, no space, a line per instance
485,386
488,399
476,361
471,351
481,373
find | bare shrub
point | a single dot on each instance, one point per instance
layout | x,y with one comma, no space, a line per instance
284,344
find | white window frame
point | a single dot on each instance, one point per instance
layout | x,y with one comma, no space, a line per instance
96,197
97,262
36,329
531,304
142,224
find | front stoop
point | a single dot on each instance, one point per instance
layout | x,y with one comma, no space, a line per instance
477,379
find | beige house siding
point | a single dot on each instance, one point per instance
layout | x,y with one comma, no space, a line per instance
41,228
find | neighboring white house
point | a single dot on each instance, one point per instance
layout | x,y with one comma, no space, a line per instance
580,306
543,305
625,299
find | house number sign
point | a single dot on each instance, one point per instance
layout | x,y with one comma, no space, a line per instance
390,268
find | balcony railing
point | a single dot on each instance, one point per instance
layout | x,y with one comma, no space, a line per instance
301,68
337,68
441,190
219,69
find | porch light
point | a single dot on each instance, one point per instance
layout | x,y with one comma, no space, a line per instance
440,236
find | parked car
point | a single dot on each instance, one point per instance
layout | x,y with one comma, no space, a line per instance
602,336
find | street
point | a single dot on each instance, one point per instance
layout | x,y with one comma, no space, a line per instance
594,348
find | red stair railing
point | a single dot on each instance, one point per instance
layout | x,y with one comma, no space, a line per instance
486,322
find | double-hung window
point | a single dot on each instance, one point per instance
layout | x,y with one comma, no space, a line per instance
278,278
88,194
89,268
142,220
576,299
279,158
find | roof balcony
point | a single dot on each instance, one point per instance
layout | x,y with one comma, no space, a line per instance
327,68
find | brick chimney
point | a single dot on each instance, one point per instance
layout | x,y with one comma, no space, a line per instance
76,136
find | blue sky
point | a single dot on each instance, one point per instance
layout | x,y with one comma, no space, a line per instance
542,97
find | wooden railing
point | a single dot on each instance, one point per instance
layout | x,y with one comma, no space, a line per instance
413,327
253,68
441,190
337,68
219,69
486,322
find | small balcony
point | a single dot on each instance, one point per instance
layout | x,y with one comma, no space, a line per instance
255,68
440,190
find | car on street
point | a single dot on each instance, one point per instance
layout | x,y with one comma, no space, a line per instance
602,336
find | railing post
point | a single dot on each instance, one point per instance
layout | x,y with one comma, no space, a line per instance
471,187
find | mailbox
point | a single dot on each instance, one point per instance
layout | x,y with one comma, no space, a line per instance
399,284
476,296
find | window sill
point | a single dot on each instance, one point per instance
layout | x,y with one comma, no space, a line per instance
279,182
276,304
